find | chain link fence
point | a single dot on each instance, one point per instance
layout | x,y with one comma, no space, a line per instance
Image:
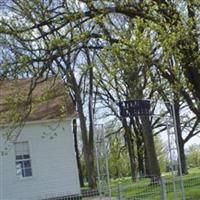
147,189
143,189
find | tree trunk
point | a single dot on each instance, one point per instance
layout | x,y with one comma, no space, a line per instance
91,169
153,165
81,179
140,147
152,161
87,144
87,150
180,138
131,152
140,154
147,172
183,158
91,128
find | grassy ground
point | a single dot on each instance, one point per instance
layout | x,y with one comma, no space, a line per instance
142,189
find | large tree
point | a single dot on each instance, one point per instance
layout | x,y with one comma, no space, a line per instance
57,37
40,43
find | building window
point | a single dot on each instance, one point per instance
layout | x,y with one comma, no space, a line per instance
23,160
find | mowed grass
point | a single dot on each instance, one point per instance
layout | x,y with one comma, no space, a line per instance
142,189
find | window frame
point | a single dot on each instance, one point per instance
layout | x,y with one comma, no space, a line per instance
25,157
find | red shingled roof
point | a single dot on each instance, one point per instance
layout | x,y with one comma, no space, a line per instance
50,100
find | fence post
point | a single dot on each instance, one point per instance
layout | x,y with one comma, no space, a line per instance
119,191
163,188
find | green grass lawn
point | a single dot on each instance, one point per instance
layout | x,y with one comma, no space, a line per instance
142,189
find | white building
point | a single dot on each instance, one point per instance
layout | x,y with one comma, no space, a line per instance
37,159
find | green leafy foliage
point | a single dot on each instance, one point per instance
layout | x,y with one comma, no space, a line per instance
193,155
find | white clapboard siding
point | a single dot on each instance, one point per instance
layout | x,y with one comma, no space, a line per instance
53,160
